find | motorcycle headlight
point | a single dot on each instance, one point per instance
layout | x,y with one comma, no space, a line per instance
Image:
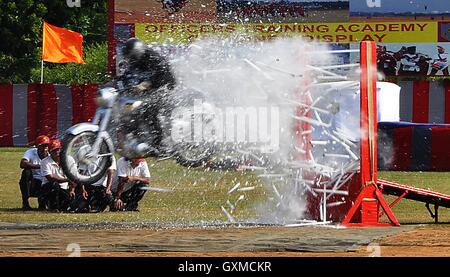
106,97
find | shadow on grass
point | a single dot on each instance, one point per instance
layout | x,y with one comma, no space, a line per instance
12,210
9,210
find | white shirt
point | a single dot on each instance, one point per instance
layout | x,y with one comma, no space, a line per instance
124,169
50,167
32,156
104,180
441,57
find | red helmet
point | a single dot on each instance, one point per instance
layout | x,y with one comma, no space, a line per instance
55,144
42,140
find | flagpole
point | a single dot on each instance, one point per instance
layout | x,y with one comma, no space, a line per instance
42,71
42,56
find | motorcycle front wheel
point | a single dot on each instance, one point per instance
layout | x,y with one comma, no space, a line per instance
79,164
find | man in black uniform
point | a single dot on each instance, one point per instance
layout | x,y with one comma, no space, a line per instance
148,73
148,66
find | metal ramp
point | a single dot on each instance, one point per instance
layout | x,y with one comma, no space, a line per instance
417,194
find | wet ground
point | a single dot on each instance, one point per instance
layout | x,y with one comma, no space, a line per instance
148,239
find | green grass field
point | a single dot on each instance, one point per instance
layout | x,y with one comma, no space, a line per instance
197,196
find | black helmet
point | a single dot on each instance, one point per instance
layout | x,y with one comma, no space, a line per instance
134,49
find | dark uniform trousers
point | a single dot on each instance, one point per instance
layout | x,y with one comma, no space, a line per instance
132,196
29,187
57,198
98,199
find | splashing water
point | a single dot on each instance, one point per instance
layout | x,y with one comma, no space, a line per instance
250,95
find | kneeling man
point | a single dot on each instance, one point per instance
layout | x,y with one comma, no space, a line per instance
31,179
56,188
100,192
134,176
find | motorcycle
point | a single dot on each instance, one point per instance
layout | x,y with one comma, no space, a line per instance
438,65
387,63
414,65
122,124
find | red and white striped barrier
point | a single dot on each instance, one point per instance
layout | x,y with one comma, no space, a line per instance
425,101
27,111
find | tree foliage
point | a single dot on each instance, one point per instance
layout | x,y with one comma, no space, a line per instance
21,31
20,23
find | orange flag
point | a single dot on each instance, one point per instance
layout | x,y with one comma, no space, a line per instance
60,45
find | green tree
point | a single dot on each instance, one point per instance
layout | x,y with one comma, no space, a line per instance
21,31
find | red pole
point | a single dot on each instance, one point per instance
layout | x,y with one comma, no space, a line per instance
366,206
368,120
111,40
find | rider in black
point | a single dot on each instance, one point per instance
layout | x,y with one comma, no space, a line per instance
148,66
148,73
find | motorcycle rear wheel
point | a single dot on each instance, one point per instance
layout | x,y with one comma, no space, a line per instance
76,163
190,155
186,152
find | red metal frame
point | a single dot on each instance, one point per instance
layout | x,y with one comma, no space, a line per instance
368,145
416,194
303,141
394,202
424,193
